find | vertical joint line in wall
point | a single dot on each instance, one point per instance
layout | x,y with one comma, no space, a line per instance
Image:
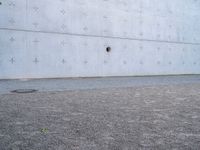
141,9
26,46
26,11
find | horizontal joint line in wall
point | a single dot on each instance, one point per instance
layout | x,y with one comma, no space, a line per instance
99,36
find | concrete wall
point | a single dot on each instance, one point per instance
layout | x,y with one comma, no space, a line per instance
68,38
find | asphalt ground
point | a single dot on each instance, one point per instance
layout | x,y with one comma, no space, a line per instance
153,116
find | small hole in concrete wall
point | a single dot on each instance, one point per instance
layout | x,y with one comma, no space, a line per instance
0,3
108,49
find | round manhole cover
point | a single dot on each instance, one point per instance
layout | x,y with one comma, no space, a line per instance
24,91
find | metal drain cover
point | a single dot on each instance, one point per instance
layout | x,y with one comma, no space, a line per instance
24,91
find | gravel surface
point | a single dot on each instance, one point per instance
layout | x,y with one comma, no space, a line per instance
156,117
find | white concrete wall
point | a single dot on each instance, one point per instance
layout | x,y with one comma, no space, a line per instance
68,38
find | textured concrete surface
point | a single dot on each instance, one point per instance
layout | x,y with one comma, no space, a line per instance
147,117
68,38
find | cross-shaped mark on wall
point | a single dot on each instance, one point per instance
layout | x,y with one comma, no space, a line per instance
12,39
35,8
35,24
63,43
63,26
12,4
63,61
63,11
12,21
36,41
85,28
85,44
36,61
12,60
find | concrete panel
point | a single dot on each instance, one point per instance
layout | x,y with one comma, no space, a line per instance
68,38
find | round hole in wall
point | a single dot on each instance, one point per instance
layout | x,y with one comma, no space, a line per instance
0,3
108,49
